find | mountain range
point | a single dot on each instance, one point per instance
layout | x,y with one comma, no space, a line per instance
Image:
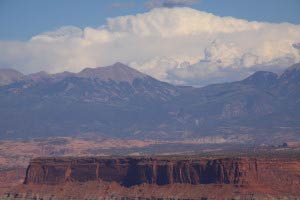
118,101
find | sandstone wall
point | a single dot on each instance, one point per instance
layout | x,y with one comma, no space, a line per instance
161,171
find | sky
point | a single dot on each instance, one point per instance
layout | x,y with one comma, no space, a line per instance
21,20
194,42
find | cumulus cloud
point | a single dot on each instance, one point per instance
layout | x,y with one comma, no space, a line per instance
178,45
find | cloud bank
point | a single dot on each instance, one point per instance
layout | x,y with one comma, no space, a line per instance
178,45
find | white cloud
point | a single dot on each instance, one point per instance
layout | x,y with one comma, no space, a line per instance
179,45
166,22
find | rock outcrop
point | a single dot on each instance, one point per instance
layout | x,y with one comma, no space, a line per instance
131,171
11,177
160,178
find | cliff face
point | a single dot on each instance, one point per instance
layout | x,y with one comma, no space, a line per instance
199,178
11,177
134,171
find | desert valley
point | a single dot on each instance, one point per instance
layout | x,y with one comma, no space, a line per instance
150,100
189,164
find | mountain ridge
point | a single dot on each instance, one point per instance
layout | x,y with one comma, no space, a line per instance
118,72
140,106
8,76
115,71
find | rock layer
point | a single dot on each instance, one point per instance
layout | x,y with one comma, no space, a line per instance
131,171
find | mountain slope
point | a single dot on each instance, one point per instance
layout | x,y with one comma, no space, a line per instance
8,76
85,102
261,104
104,84
118,101
117,72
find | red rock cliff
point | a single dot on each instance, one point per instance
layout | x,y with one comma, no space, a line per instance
131,171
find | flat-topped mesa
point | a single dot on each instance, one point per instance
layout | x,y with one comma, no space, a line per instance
129,171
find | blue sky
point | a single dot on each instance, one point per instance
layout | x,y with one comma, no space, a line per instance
20,19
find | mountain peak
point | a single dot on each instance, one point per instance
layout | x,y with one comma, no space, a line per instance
291,74
119,65
38,76
118,72
8,76
294,67
261,78
8,70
